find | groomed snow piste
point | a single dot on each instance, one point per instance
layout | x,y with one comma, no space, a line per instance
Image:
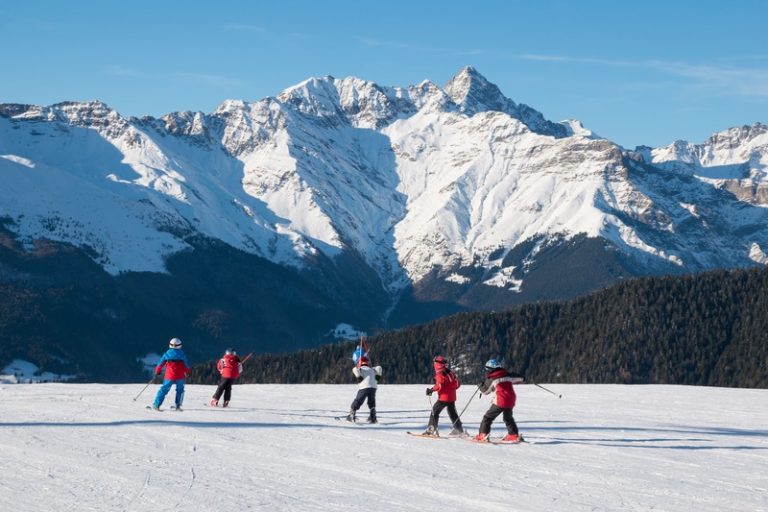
68,447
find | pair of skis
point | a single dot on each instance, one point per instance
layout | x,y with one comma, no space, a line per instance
172,408
344,418
468,438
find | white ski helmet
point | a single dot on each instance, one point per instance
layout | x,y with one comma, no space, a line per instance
492,364
230,351
175,343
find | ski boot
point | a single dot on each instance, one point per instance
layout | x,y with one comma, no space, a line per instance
351,416
481,438
372,416
214,402
458,432
431,432
225,404
512,438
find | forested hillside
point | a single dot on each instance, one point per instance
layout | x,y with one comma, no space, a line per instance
705,329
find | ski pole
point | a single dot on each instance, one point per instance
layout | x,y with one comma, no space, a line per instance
145,387
547,390
246,358
468,402
362,347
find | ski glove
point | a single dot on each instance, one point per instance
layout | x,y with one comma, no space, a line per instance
430,391
378,378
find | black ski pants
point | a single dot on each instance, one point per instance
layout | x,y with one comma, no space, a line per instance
225,386
362,395
492,414
438,408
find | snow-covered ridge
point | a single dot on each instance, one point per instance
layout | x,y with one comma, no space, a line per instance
413,179
735,159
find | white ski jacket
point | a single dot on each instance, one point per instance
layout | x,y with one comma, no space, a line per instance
368,376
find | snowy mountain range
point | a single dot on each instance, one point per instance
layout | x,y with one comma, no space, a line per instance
439,198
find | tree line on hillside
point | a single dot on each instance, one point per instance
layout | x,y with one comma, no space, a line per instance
706,329
63,312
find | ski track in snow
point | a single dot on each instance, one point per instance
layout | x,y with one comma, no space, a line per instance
89,447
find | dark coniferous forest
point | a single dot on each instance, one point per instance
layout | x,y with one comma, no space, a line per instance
708,329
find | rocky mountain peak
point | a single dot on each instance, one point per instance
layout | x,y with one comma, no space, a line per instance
740,135
473,93
316,96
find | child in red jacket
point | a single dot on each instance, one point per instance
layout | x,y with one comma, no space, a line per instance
446,384
501,381
230,367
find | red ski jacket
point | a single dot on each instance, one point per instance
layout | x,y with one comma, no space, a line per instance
500,380
229,366
175,363
446,383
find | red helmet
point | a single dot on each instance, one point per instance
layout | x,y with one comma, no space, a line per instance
365,360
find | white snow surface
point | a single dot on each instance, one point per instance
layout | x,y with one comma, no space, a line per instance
600,448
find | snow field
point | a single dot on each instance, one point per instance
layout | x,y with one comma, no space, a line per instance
82,447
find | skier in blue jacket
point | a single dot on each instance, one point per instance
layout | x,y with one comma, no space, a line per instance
176,370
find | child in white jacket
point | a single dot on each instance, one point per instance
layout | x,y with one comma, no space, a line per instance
368,379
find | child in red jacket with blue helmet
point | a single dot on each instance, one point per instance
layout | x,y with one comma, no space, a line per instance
446,384
230,367
176,370
499,380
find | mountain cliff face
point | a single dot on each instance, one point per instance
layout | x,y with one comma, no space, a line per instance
389,205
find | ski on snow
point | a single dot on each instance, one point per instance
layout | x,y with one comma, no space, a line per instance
171,408
429,436
496,441
344,418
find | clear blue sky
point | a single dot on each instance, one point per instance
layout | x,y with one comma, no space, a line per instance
648,73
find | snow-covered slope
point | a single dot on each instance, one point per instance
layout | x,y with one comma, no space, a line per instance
413,181
90,447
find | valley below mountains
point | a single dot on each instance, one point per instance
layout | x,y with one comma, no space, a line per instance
339,202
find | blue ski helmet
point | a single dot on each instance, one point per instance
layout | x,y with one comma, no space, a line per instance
359,352
492,364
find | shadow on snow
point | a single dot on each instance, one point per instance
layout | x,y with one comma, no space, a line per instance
686,438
